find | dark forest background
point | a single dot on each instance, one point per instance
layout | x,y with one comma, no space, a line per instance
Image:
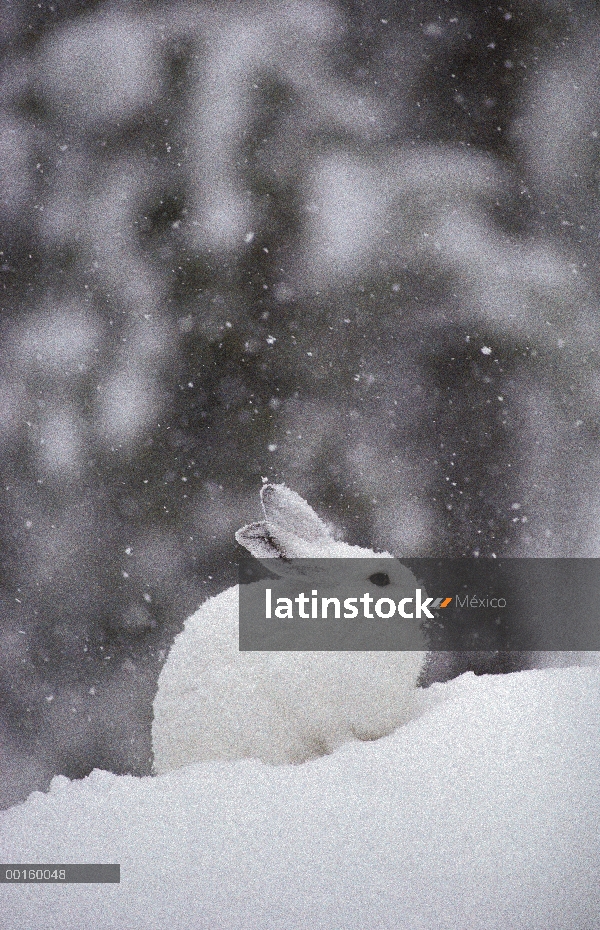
350,246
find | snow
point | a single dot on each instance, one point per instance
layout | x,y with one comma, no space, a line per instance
59,449
59,340
100,69
287,42
482,812
128,404
347,205
15,177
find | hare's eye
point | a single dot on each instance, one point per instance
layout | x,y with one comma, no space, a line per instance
380,579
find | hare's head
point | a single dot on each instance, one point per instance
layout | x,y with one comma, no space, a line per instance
292,530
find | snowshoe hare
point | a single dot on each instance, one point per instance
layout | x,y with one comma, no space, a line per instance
215,702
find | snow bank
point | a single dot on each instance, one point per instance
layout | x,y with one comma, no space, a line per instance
483,812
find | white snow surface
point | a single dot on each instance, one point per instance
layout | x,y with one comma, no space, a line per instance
482,812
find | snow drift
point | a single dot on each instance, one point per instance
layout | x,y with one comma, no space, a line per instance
482,813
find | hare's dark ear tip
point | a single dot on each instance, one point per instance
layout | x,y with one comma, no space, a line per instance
270,491
251,531
270,488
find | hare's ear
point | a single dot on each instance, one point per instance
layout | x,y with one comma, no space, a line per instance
288,510
262,540
275,548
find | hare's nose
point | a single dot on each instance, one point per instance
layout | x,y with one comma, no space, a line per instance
380,579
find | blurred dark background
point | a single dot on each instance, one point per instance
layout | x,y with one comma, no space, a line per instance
350,246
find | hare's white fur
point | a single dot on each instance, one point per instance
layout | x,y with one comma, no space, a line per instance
215,702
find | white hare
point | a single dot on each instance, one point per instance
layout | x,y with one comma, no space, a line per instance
215,702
